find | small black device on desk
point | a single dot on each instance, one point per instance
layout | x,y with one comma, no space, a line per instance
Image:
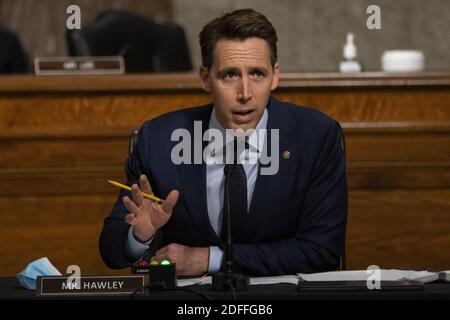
162,274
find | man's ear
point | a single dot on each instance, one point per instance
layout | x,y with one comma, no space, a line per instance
205,79
276,77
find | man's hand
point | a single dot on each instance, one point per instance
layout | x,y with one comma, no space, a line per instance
191,261
147,216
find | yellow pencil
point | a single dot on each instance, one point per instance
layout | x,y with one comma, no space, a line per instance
145,195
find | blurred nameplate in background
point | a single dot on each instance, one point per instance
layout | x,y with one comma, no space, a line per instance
79,65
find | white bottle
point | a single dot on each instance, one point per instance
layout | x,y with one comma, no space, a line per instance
350,64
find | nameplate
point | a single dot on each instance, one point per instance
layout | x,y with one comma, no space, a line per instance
78,65
89,285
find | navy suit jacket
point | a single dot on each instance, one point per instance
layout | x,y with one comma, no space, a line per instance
297,217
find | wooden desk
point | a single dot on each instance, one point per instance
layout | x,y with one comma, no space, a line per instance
281,296
62,137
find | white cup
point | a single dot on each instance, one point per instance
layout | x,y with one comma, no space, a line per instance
403,61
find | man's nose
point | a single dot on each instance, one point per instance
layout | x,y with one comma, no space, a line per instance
244,91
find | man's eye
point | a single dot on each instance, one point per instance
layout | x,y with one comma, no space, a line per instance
258,74
230,75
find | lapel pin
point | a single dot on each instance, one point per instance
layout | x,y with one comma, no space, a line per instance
286,154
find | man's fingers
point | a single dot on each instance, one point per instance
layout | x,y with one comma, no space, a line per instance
130,205
162,251
160,257
145,184
155,206
163,256
137,195
131,219
170,201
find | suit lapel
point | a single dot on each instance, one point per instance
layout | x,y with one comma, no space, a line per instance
266,185
193,184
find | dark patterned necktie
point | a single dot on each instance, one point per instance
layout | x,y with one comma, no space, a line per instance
236,197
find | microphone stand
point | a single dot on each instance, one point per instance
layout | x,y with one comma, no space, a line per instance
224,281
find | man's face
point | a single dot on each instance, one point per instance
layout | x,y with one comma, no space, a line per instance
240,81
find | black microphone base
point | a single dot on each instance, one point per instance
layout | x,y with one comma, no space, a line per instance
224,281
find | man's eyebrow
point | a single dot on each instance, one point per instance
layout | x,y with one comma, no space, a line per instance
224,71
261,69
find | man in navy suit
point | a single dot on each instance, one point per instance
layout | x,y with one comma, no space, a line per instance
295,215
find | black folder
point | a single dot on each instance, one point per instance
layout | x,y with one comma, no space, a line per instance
334,286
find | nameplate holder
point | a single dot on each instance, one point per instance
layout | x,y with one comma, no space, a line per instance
89,285
79,65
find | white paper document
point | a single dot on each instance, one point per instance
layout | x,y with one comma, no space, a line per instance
293,279
363,275
353,275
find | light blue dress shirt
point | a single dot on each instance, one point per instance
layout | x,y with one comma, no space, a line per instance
215,181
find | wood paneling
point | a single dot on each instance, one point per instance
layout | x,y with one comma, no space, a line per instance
399,229
62,137
60,153
65,229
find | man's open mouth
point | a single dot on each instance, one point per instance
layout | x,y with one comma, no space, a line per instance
243,116
243,112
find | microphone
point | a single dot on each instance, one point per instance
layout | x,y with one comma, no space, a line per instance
224,281
229,263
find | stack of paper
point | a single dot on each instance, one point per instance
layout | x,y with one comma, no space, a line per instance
293,279
363,275
354,275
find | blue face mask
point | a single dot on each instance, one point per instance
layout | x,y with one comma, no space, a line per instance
41,267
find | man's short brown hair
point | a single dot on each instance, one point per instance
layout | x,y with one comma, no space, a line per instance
237,25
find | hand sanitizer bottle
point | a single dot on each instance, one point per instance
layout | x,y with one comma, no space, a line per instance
350,64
